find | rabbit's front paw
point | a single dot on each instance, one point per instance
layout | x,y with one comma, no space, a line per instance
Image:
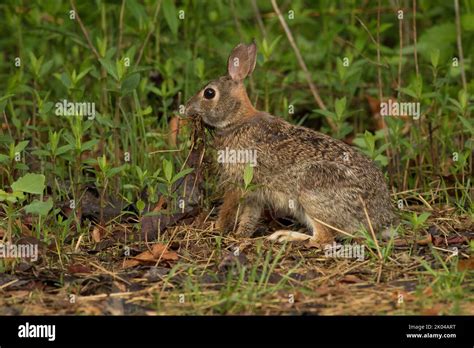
245,230
288,236
225,224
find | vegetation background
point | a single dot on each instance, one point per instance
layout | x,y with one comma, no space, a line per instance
70,183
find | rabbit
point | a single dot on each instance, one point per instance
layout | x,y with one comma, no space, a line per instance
324,183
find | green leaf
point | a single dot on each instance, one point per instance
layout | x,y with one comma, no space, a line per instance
63,149
422,218
182,173
199,68
467,124
65,80
140,205
115,171
40,153
409,92
340,106
82,74
442,37
435,57
89,145
111,68
3,195
168,170
171,15
248,175
326,113
467,21
136,9
30,183
5,97
130,83
21,146
39,207
148,110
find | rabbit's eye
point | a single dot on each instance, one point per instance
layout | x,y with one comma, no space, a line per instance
209,93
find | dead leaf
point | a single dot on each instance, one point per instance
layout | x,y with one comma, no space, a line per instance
449,241
96,234
158,252
428,291
351,278
175,124
78,268
425,241
466,264
457,240
435,310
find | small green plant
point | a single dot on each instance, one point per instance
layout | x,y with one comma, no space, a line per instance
367,143
339,116
418,221
447,281
13,202
170,177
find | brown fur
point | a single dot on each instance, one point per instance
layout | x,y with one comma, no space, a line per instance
304,173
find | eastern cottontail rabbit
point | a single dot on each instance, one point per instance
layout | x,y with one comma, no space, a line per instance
323,182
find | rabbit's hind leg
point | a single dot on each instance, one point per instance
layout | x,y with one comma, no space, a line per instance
321,234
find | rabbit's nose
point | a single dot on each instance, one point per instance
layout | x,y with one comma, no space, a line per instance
186,110
189,110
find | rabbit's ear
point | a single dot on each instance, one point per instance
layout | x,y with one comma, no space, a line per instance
242,61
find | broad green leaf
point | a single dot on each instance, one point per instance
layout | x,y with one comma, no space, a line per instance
39,207
30,183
